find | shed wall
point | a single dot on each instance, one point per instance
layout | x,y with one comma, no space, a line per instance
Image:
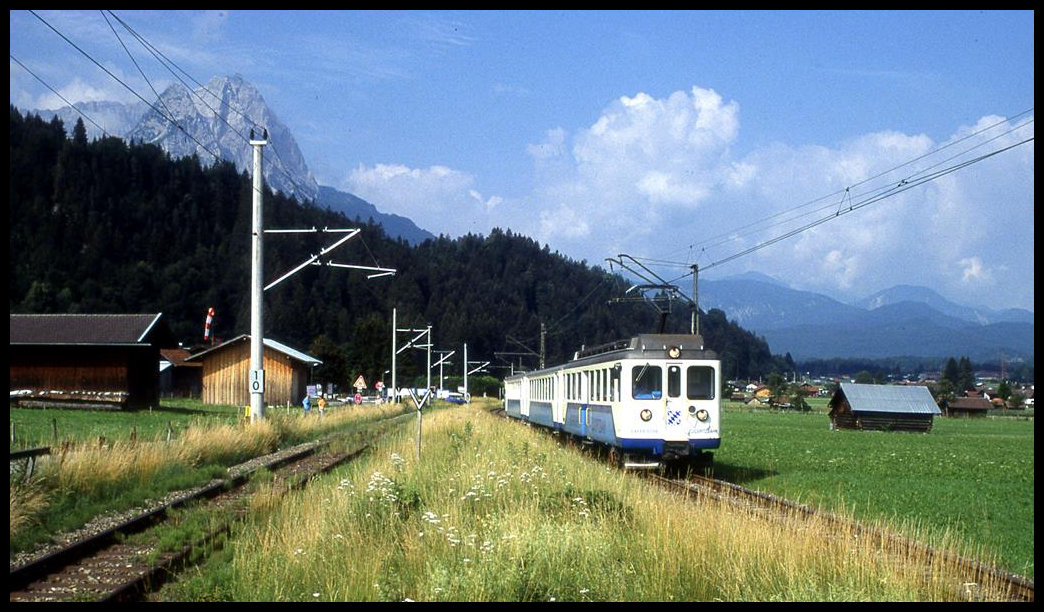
226,377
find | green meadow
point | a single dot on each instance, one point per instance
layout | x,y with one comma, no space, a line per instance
969,477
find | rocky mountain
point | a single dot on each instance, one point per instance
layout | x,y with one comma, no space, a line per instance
813,326
216,119
102,118
212,120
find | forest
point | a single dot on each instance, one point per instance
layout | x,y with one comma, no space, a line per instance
107,226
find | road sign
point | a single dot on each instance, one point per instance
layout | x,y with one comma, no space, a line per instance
360,383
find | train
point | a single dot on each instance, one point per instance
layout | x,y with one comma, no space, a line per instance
650,401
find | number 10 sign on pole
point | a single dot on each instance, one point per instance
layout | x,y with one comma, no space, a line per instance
257,381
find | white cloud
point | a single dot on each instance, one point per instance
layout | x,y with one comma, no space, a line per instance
656,178
438,199
972,270
81,91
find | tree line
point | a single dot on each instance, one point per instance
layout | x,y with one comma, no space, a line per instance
109,226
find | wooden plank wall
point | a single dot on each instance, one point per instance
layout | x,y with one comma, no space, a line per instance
226,377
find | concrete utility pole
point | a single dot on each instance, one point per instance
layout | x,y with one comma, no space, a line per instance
543,343
257,365
695,323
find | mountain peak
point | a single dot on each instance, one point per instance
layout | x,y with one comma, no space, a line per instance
212,121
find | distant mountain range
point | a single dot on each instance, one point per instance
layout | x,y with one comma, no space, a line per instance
215,120
355,207
901,321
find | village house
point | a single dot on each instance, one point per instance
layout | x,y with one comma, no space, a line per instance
968,406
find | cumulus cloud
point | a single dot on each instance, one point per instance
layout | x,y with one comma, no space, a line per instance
656,177
438,199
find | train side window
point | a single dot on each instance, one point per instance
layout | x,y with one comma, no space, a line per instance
700,382
646,382
673,381
614,384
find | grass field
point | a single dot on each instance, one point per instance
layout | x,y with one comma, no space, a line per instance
495,511
34,427
971,477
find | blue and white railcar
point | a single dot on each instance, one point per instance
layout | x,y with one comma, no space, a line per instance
655,397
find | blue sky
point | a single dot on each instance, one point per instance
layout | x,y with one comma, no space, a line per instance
674,137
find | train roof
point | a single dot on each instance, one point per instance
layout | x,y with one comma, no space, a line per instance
642,346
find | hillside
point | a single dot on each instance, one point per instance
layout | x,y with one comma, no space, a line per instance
106,226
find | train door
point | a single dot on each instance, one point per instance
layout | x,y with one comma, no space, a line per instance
585,403
674,405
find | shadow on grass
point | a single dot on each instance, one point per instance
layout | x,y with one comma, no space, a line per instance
739,474
211,412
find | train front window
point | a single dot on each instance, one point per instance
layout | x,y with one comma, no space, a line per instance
700,383
673,381
646,382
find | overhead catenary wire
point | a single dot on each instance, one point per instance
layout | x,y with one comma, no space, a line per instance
165,115
63,99
830,201
900,187
120,81
170,65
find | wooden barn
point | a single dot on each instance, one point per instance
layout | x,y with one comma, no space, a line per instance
968,406
87,360
882,407
226,372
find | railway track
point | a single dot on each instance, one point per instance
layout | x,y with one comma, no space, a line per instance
122,558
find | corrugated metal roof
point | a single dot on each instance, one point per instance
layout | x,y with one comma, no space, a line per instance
889,398
89,329
298,355
272,344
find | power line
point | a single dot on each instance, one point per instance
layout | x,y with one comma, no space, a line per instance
159,98
167,116
837,198
900,187
169,64
45,84
120,81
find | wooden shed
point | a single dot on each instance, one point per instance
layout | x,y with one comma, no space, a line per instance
87,360
226,372
968,406
882,407
179,378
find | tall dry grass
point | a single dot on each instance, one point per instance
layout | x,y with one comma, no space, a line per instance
101,471
494,512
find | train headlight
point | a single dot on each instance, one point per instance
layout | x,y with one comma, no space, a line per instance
646,414
702,415
674,352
